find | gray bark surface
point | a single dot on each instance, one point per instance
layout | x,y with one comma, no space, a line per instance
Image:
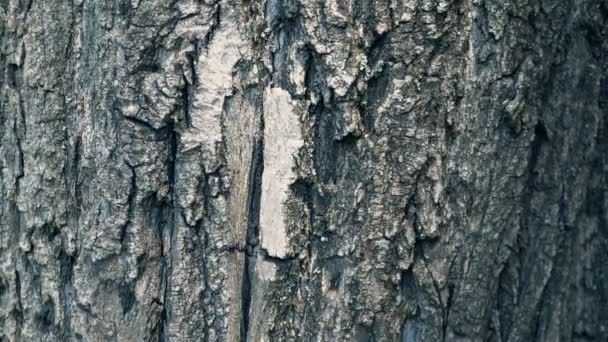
301,170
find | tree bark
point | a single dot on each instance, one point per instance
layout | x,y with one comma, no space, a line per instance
300,170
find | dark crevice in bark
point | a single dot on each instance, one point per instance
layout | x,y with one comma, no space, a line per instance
596,197
190,83
189,87
409,292
209,195
312,79
25,6
283,261
376,91
167,265
326,153
350,139
363,333
255,191
162,335
303,188
215,24
162,324
11,75
17,312
186,102
551,289
30,3
19,136
20,165
127,297
66,271
72,177
533,327
503,303
206,294
540,139
3,288
513,272
45,317
442,307
130,207
77,178
149,60
69,44
448,305
377,48
87,309
158,217
143,123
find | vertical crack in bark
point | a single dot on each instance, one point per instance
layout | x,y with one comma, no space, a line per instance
67,258
507,320
540,138
77,195
206,292
18,136
409,290
442,307
66,271
28,8
130,208
127,292
11,75
167,265
160,221
17,312
215,24
189,85
254,196
186,102
206,289
19,130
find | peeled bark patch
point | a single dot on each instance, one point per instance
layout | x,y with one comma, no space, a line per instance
213,71
282,139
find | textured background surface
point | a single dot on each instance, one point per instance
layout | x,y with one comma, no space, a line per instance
340,170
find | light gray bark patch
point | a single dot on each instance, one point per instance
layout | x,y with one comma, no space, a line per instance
282,139
213,69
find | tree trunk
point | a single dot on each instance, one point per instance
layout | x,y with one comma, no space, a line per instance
300,170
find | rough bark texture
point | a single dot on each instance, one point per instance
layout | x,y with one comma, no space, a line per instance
302,170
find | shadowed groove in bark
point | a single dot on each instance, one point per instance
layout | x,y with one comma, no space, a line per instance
189,84
17,313
251,245
172,148
66,273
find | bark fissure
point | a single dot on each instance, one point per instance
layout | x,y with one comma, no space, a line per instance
66,273
169,252
251,245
